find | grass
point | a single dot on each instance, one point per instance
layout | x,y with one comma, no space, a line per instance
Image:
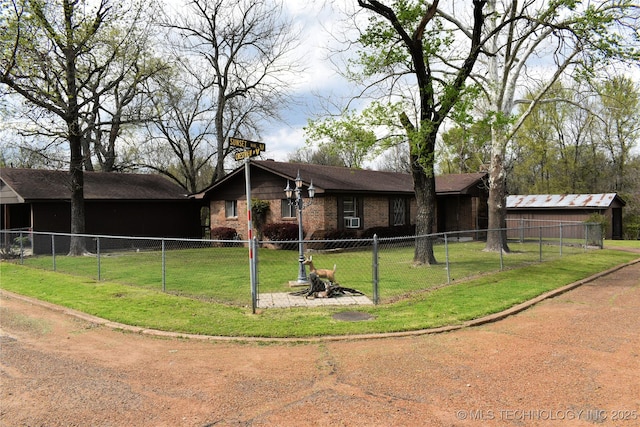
622,244
146,306
222,274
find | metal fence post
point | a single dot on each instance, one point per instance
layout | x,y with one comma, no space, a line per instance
53,250
561,239
98,256
586,236
521,230
253,261
21,250
164,268
540,242
601,234
375,269
446,257
500,231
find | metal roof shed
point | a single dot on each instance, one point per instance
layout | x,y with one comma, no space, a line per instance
568,208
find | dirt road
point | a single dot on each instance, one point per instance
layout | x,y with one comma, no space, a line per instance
571,360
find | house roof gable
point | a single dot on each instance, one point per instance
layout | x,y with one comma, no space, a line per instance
40,184
340,179
336,179
459,183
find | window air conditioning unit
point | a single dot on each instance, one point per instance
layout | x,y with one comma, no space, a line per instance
352,222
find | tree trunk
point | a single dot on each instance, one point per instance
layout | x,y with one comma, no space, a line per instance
424,185
109,154
77,245
425,189
219,173
496,237
86,150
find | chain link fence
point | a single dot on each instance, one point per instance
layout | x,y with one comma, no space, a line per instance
219,270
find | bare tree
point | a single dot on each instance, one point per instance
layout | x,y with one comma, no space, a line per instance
179,141
396,159
320,156
241,53
128,103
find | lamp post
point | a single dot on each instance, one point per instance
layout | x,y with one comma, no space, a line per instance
295,199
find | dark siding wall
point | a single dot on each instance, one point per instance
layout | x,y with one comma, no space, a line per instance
455,213
153,219
264,186
539,217
16,216
148,219
54,217
552,215
138,219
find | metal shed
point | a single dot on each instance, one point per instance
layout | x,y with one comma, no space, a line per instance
568,208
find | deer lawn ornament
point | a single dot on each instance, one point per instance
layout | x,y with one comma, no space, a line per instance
324,289
330,275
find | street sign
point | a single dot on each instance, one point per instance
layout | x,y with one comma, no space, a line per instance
252,148
243,143
252,152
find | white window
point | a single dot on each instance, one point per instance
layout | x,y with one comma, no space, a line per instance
231,208
287,210
351,212
350,207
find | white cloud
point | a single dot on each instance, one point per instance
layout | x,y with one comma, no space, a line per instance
317,20
282,141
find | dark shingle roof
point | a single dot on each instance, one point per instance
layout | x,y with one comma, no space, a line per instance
333,178
39,184
340,179
458,183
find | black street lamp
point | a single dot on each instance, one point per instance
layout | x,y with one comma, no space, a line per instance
295,199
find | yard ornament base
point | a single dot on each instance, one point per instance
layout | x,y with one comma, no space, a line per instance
324,289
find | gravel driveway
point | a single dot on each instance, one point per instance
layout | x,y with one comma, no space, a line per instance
570,360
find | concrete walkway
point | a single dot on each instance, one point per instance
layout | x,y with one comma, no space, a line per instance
285,299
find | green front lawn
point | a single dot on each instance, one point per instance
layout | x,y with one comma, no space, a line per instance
145,305
222,274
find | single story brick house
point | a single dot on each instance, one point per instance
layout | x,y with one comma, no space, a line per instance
541,209
345,198
141,205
